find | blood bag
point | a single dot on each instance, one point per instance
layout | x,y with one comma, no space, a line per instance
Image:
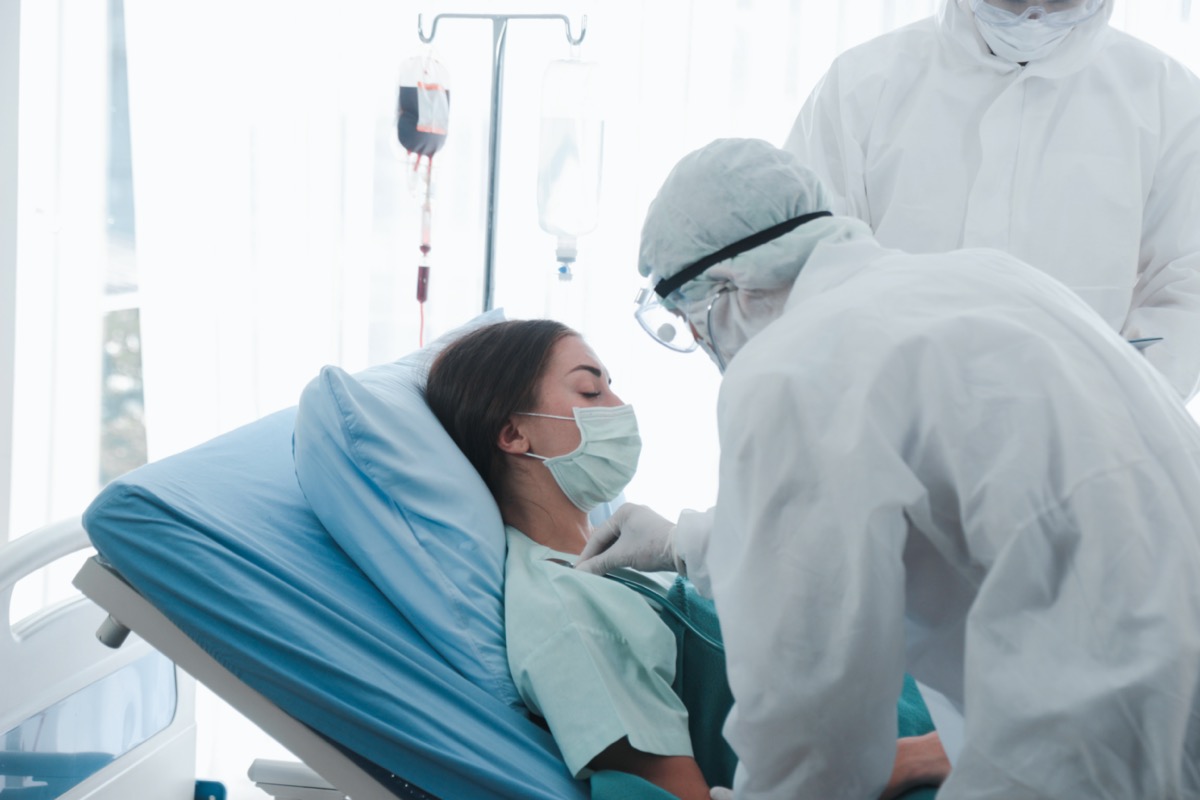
423,106
422,121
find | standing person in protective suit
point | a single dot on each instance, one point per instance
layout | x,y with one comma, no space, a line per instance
946,463
1033,127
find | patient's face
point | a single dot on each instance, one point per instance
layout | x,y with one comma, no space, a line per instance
574,378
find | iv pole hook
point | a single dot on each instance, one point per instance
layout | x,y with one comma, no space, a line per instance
574,40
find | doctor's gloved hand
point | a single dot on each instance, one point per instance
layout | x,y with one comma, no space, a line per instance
720,793
634,536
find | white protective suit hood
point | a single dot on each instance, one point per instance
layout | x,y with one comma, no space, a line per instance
959,30
717,195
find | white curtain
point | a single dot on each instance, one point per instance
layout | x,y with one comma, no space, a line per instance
60,224
276,231
253,154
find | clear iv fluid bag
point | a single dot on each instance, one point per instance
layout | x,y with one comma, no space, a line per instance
570,153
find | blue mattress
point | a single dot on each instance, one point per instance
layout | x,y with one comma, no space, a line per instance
221,539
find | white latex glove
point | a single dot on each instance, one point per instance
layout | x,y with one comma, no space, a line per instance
720,793
634,536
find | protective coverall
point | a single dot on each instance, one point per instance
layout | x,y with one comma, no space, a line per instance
945,463
1084,163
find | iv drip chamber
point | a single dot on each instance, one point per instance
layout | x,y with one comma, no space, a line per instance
570,155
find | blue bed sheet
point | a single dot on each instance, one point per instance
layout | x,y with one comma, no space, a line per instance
221,540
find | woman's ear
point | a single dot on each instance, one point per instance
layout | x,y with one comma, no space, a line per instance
512,439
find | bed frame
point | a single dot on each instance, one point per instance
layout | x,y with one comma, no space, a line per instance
286,781
54,653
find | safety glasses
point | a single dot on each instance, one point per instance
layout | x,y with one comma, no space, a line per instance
669,328
666,327
708,327
1060,14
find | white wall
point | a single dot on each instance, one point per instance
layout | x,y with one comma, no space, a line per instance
10,28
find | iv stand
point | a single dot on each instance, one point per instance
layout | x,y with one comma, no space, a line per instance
499,36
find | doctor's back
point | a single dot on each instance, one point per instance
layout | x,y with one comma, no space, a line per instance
958,469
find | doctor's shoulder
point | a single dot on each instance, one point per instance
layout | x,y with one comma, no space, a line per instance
863,75
1141,62
1144,81
796,355
895,45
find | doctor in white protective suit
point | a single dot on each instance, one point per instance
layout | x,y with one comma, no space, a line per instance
945,463
1035,128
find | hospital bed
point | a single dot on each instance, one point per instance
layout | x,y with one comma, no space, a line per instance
334,572
78,719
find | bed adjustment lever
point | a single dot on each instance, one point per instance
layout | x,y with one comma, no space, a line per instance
111,632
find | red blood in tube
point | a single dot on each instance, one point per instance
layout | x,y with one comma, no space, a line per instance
422,284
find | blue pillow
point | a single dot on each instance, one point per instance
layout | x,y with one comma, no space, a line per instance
395,492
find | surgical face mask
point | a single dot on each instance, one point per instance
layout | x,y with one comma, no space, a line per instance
606,459
1021,32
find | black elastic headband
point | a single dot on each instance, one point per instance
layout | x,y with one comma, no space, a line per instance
668,285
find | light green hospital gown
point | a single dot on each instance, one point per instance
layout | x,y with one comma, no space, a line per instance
589,656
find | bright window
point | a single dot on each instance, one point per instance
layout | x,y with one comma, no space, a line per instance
78,373
78,387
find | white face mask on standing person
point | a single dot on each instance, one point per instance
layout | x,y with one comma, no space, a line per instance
1026,31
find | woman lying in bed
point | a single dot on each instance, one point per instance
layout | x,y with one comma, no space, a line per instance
530,405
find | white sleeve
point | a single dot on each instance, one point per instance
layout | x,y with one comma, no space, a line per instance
808,580
691,536
1166,300
823,142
